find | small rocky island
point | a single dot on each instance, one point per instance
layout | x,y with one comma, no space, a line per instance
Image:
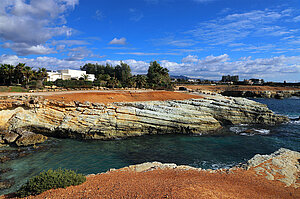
27,120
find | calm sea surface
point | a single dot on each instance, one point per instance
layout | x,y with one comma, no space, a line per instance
206,152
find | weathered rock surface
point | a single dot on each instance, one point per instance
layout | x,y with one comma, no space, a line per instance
282,165
21,137
98,121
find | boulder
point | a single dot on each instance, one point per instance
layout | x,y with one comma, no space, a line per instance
10,137
28,138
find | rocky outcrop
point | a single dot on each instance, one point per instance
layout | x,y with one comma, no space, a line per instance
262,94
282,165
21,137
99,121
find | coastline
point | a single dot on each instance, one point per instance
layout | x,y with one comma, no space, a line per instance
230,108
27,120
158,180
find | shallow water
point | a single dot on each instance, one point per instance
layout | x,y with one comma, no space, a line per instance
206,152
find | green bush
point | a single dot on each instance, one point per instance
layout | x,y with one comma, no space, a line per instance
51,179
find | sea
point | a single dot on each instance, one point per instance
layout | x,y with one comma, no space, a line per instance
234,146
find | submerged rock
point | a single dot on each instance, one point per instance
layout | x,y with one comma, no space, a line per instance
5,184
28,138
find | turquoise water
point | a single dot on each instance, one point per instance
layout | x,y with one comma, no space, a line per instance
206,152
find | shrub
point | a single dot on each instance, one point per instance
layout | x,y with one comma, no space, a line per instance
51,179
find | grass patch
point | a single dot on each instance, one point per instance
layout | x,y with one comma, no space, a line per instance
51,179
12,89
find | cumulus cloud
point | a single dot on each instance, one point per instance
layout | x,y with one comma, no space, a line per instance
25,49
210,67
33,22
116,41
189,59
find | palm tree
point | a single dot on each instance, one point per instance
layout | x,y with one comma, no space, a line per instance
40,76
19,76
10,73
28,74
4,73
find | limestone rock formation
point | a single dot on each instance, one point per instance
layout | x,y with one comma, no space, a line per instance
99,121
282,165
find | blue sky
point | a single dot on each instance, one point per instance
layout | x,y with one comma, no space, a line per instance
197,38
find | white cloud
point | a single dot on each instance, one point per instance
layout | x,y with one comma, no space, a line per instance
297,19
172,41
190,59
135,15
99,15
210,67
70,42
116,41
25,49
33,22
144,54
236,27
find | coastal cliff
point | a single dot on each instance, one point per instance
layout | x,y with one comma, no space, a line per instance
22,117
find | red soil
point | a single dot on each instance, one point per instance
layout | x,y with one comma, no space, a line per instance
171,183
121,96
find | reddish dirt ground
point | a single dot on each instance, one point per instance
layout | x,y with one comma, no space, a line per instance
121,96
171,183
240,88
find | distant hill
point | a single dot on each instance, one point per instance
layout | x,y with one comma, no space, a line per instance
179,77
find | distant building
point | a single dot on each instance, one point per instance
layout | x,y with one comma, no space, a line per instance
257,81
68,74
192,80
229,78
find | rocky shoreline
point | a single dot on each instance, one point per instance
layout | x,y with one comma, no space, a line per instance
283,165
28,120
262,94
247,91
263,176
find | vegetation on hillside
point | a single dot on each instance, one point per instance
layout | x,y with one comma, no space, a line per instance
51,179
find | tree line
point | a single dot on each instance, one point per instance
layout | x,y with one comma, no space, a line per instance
21,75
120,76
106,75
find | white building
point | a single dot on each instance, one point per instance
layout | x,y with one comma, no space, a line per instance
68,74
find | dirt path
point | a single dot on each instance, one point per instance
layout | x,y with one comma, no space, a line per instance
121,96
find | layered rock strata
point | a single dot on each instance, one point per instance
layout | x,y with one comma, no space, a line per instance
107,121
